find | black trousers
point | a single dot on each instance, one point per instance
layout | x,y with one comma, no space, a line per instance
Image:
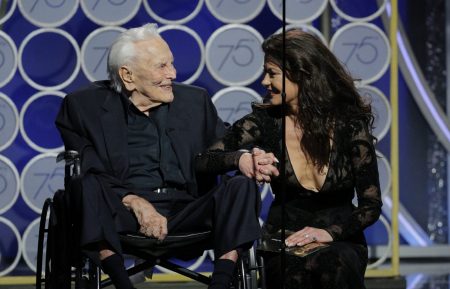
230,211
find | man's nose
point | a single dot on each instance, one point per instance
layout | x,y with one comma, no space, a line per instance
171,72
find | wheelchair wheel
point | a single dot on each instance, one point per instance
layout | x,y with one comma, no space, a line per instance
247,277
44,260
53,271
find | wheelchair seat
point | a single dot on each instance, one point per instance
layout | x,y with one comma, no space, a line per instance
60,261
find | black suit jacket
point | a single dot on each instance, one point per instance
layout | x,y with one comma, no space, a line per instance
92,121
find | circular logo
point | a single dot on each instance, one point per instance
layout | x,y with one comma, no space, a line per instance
298,11
94,52
9,10
9,184
37,119
9,121
8,58
306,28
173,11
40,179
48,13
181,39
235,11
380,108
9,241
49,69
356,5
110,12
29,241
232,103
384,171
234,55
364,49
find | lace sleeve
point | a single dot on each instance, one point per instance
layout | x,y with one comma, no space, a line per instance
223,155
366,183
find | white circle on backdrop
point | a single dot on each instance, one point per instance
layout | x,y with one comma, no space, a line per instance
16,233
23,111
232,103
40,179
9,184
350,18
9,121
234,55
192,267
48,13
68,37
110,12
28,246
380,108
8,58
163,20
10,12
298,11
364,49
94,52
235,11
386,254
384,171
306,28
199,42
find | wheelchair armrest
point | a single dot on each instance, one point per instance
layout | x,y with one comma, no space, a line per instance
73,162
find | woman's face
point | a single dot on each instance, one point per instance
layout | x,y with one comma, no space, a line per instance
273,82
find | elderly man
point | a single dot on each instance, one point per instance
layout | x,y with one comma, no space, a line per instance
138,135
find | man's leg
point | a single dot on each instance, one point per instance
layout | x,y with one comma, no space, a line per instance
231,211
224,269
112,264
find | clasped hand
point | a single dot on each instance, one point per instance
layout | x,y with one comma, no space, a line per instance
151,223
259,165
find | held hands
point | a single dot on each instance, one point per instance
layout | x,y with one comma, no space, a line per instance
308,235
259,165
152,223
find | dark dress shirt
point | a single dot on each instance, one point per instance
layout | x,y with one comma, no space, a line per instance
152,160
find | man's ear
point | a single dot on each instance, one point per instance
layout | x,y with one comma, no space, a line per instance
127,77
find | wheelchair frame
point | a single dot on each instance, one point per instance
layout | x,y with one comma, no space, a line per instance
87,275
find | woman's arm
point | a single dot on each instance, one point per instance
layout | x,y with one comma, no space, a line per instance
367,186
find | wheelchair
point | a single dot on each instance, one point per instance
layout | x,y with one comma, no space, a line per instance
62,265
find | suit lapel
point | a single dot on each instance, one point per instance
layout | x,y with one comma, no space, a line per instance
115,133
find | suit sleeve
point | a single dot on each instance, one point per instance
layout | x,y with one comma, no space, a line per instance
70,126
75,137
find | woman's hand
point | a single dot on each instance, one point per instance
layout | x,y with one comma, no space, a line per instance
308,235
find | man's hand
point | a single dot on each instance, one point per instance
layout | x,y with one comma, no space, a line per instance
152,223
259,165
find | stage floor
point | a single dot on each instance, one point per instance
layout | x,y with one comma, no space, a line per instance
414,275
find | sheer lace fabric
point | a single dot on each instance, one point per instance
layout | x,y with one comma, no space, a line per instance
352,168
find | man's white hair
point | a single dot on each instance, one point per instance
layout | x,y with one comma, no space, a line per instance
122,51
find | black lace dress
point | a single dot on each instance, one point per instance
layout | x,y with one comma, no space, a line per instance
352,168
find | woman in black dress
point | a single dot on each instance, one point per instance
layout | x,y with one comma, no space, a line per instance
329,156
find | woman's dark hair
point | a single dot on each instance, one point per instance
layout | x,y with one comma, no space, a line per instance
328,100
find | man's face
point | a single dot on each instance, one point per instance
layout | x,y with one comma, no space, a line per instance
152,72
